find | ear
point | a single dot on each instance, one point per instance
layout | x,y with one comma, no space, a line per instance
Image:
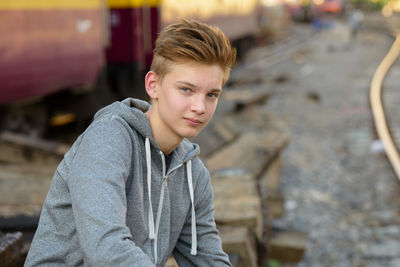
151,84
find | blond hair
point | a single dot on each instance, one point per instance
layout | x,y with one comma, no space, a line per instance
192,41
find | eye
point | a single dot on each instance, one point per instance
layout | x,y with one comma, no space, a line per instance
185,89
212,95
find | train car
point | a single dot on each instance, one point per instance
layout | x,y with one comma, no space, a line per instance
70,57
47,45
236,18
62,60
134,26
240,20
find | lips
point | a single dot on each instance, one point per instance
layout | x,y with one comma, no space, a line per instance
193,122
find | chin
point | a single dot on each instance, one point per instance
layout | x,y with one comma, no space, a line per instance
190,134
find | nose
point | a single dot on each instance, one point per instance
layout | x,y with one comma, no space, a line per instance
199,104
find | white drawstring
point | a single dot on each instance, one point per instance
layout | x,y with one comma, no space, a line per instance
153,233
148,163
190,183
160,203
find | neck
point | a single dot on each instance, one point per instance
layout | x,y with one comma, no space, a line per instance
166,141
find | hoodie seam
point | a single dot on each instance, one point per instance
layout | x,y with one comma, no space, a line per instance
200,196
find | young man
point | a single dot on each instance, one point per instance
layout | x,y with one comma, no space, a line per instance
131,190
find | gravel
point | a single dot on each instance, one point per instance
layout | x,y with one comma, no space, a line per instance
338,187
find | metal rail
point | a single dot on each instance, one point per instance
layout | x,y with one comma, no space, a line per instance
377,107
276,53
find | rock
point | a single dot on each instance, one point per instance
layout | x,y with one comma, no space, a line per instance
21,149
217,134
244,98
288,246
239,240
252,152
269,180
275,205
394,263
11,245
272,199
240,211
23,200
233,186
387,249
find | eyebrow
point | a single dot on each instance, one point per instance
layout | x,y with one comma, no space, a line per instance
194,86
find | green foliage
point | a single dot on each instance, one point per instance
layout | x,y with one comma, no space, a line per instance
370,4
272,263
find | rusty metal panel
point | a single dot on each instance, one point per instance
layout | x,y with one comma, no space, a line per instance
133,33
43,50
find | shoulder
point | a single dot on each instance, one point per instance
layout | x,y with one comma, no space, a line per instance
199,167
105,135
110,128
201,175
109,124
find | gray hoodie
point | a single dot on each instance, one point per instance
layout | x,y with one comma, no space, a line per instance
113,201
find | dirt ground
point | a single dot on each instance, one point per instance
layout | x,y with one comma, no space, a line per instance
338,186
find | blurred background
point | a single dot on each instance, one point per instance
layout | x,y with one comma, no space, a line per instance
313,184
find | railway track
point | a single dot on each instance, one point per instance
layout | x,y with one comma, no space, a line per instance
282,50
271,55
378,111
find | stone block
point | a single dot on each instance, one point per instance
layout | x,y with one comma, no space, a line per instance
240,211
271,198
287,246
29,189
275,205
233,186
269,180
239,240
11,245
252,152
217,134
20,149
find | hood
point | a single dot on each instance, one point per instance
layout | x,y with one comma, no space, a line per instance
133,112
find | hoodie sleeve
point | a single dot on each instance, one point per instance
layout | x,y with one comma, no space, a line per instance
96,182
209,245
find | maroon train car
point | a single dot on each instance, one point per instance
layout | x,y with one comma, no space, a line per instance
51,50
134,27
49,45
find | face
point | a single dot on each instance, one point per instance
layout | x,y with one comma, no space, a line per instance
185,99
